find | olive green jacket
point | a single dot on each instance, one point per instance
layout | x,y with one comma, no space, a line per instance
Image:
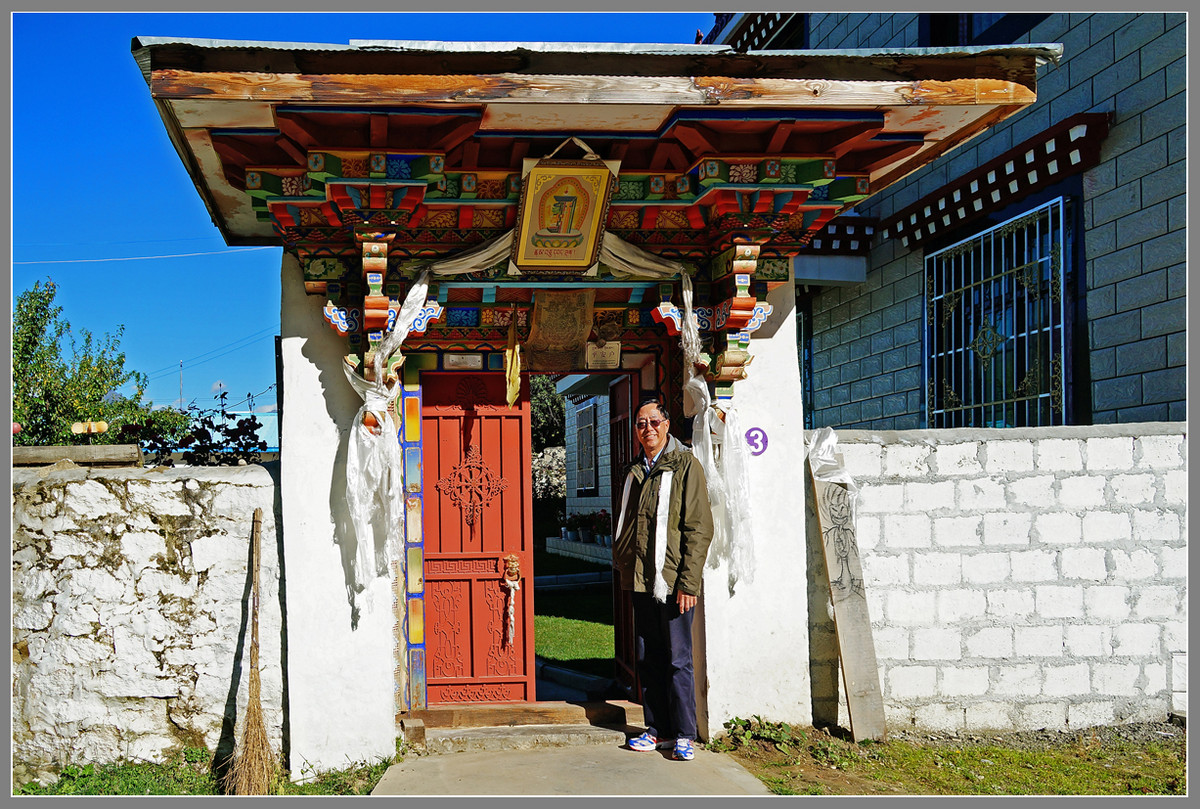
689,523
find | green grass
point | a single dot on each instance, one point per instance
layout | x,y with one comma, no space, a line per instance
191,774
574,629
553,564
788,760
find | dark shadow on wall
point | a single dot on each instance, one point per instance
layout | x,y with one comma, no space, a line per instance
273,469
822,634
223,755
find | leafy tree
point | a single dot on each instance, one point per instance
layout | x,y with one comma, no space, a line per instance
60,377
547,413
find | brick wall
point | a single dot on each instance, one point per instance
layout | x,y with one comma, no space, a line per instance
1017,579
867,343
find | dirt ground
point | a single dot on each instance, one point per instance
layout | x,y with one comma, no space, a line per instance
825,763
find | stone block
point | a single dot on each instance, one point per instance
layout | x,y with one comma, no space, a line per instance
1018,679
1008,604
993,642
938,717
929,497
958,459
1067,681
1038,641
1116,679
1109,453
1058,529
906,682
1154,527
1159,602
1106,603
989,716
985,568
91,499
1137,640
1008,457
1033,565
932,569
906,461
1179,672
1056,601
864,460
1139,564
1088,640
961,604
1164,251
1059,455
1156,680
956,531
936,644
964,681
158,498
981,494
1175,636
1080,492
1173,563
906,531
1048,715
891,642
1037,491
1159,451
1084,563
909,609
884,571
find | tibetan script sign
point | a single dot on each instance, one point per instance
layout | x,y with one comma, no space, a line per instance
560,223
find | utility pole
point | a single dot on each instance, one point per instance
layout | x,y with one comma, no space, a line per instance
181,384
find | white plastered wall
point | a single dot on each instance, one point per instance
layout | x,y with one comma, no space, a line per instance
339,666
756,639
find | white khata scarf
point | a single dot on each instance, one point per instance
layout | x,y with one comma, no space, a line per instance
660,532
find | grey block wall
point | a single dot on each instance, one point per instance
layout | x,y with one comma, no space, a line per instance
867,339
603,497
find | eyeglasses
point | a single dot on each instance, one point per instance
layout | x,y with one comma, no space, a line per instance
642,424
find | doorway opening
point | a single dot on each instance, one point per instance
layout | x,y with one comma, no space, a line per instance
583,621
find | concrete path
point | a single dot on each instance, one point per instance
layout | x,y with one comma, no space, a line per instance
582,770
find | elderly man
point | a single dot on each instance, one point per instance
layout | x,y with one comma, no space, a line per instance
663,532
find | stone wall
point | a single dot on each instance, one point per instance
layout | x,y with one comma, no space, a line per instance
602,498
867,338
131,612
1017,579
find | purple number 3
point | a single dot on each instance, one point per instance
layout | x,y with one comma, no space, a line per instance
756,437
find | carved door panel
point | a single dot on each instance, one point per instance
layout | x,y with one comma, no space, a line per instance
621,401
478,512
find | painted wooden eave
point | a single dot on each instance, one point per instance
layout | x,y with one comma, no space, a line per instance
727,91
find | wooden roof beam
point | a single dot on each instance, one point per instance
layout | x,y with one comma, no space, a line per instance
725,91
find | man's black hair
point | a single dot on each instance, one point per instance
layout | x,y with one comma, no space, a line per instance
653,399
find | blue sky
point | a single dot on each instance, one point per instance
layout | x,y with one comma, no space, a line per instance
97,186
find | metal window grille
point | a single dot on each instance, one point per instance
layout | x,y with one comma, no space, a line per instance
585,442
995,310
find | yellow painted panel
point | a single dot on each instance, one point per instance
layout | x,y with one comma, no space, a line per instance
416,577
416,620
412,418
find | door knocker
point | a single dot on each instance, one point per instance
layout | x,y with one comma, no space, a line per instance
512,580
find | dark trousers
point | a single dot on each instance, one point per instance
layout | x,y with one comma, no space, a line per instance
664,661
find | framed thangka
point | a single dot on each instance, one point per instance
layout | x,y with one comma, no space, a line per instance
560,222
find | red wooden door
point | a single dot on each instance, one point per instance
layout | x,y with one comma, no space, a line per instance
621,401
478,510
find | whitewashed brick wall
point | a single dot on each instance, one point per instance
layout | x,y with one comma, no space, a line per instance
131,632
1019,579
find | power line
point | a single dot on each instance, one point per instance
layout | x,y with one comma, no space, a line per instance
143,258
173,368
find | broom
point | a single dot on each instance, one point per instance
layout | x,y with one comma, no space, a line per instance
255,768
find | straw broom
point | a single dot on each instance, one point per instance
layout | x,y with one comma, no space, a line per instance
255,768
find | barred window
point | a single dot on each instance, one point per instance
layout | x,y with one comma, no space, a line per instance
995,310
585,447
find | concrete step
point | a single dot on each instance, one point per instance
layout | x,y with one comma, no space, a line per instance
519,737
466,715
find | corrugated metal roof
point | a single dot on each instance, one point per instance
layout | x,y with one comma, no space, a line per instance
1043,51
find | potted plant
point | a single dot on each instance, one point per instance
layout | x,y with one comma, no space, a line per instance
571,528
602,525
586,527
